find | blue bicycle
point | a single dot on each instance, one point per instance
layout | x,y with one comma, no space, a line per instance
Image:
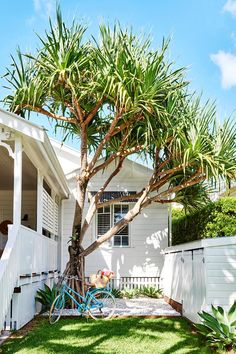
98,303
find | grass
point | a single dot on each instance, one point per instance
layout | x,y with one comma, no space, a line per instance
119,336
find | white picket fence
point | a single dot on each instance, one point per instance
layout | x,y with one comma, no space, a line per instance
134,282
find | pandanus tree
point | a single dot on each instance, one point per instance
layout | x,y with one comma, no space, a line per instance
121,98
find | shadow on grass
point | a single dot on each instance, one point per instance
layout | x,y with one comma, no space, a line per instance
130,335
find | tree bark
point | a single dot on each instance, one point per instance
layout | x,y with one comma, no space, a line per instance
75,265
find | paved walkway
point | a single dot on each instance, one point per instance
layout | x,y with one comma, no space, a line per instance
137,307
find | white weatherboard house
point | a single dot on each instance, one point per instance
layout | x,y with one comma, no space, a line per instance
37,186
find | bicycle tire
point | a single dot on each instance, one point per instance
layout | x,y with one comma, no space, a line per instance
101,305
56,309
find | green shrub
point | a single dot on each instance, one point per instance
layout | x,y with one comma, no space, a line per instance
151,291
219,328
116,293
216,219
129,293
148,291
46,296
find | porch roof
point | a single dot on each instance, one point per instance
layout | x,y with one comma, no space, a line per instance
38,148
21,125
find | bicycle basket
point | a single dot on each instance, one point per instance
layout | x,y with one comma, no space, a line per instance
101,279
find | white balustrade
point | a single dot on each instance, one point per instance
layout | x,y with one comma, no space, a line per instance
9,271
26,252
38,253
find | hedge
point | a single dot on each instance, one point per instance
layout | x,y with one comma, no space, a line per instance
216,219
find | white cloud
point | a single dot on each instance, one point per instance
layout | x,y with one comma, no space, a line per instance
44,7
227,65
230,6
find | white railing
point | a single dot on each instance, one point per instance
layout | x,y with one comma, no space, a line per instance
26,252
50,213
8,271
37,252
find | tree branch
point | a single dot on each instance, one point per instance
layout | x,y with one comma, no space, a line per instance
94,202
188,183
78,109
127,124
119,225
124,198
123,153
84,150
46,113
143,202
103,142
92,113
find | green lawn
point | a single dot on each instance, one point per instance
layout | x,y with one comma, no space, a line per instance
127,335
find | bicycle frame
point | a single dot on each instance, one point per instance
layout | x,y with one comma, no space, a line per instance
89,294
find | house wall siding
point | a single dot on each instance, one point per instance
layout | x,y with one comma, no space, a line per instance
148,231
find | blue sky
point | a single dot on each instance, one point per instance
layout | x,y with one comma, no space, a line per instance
203,35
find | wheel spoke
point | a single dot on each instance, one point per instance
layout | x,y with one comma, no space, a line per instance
101,305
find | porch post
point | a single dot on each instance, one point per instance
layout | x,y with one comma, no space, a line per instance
17,195
39,202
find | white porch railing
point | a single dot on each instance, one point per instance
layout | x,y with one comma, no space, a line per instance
8,271
37,252
26,252
50,213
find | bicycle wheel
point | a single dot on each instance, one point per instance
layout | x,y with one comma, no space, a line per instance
101,305
56,309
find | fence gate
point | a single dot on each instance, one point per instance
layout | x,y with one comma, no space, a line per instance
193,283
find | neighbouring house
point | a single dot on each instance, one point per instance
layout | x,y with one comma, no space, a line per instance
37,201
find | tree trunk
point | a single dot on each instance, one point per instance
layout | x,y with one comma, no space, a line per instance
75,266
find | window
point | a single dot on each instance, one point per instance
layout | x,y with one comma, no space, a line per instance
103,220
122,237
108,216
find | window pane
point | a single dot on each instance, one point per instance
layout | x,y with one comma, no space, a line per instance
125,209
103,223
117,217
100,210
107,209
124,231
119,212
117,209
125,241
117,241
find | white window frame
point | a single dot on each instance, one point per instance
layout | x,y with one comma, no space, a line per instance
97,235
112,223
128,225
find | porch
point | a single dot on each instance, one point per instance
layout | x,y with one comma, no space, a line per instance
32,186
27,198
